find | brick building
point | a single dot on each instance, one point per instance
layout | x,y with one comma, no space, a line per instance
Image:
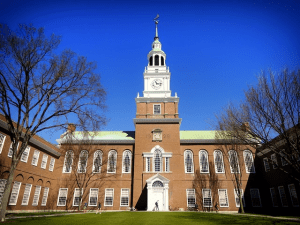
155,167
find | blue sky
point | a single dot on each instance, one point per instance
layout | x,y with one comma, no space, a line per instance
215,49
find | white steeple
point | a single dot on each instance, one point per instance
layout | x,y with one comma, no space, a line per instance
156,75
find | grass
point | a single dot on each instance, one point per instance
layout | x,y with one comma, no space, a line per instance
145,218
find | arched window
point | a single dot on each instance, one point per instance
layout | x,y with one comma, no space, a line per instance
157,184
249,164
112,161
233,161
219,163
97,161
157,161
162,61
203,161
68,162
82,162
151,61
156,60
127,161
188,161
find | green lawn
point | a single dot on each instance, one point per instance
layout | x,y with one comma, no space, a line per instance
144,218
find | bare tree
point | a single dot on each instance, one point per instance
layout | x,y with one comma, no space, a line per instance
40,90
271,110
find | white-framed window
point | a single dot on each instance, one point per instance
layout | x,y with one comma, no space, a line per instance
112,162
156,109
274,161
282,196
97,163
68,162
203,159
124,201
77,198
82,162
266,164
10,151
35,158
148,164
36,196
274,197
293,195
126,167
167,164
2,187
15,193
2,140
45,196
51,164
283,157
109,197
26,195
255,197
237,198
25,155
223,198
62,197
249,162
157,161
190,197
44,161
207,201
188,162
93,197
233,161
219,162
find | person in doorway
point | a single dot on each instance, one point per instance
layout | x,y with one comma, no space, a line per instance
99,208
217,207
156,206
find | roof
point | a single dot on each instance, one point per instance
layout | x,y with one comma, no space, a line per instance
197,134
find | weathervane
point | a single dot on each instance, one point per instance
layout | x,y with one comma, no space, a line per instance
156,22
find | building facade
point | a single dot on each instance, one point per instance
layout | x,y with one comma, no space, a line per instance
155,167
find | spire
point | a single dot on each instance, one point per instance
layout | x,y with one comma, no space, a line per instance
156,22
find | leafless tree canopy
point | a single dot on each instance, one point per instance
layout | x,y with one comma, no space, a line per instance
41,90
271,109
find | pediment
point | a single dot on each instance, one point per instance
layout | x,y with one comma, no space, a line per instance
157,177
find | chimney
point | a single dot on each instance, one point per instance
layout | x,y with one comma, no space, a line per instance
245,127
71,128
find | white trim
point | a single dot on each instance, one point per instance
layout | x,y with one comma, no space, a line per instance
274,197
255,197
2,187
167,164
283,197
76,194
293,195
93,194
14,193
250,167
35,158
205,153
25,155
62,193
26,194
71,161
124,194
44,161
82,161
190,194
123,160
206,195
223,200
10,151
159,109
115,161
96,154
36,196
45,196
148,164
235,155
221,161
188,152
51,164
237,199
2,141
159,153
266,164
109,193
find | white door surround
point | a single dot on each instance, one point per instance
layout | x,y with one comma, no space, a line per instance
158,192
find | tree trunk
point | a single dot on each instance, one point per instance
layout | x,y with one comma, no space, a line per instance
7,191
241,203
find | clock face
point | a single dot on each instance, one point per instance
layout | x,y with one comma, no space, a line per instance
156,84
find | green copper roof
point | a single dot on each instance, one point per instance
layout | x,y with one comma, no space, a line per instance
197,134
105,135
